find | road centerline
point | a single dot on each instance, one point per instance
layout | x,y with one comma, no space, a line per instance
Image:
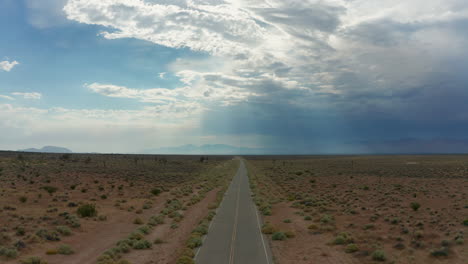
236,220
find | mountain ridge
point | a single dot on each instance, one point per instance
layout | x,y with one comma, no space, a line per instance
47,149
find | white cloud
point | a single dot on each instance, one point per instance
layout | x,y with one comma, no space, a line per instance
7,97
97,129
32,96
7,65
265,48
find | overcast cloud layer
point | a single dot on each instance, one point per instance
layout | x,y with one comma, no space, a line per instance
324,76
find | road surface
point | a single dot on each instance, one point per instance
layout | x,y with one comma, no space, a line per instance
234,236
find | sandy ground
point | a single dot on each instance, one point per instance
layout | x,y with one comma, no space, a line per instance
118,185
375,210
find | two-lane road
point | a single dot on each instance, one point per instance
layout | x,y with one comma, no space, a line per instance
235,236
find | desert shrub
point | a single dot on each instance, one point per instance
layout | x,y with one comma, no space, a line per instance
23,199
265,210
155,191
87,210
268,229
142,244
63,230
33,260
158,241
312,227
138,221
136,235
103,197
441,252
201,229
465,223
72,220
124,248
342,238
194,242
379,255
185,260
144,229
8,252
52,252
279,236
307,218
415,206
351,248
20,231
289,234
65,250
50,189
287,221
327,219
156,220
48,235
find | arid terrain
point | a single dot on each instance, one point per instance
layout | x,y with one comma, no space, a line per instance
363,209
78,208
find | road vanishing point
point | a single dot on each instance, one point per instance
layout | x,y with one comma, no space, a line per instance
235,235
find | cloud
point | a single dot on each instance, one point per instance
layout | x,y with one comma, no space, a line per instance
6,97
401,62
7,65
46,13
96,129
32,96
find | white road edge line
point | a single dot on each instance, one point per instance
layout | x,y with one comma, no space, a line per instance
261,235
213,220
258,224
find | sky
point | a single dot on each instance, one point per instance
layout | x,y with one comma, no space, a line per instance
296,76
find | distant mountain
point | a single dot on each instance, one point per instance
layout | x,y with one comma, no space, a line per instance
48,149
214,149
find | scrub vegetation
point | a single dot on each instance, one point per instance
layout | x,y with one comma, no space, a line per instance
107,209
363,209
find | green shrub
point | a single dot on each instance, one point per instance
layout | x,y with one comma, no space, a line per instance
327,219
8,252
279,236
155,191
201,229
20,231
351,248
415,206
287,221
342,238
379,255
65,250
144,229
50,189
142,244
465,223
194,242
33,260
185,260
441,252
87,210
63,230
290,234
268,229
48,235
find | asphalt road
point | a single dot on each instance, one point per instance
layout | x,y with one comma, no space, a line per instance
234,236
